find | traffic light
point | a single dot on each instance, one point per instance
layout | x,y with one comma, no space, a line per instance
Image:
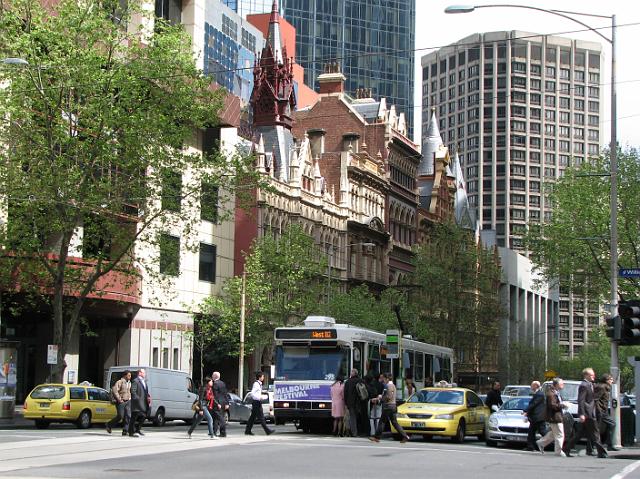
629,312
614,327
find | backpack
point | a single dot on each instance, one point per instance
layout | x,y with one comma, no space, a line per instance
362,391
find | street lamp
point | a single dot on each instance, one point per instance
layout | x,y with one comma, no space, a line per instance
615,371
331,256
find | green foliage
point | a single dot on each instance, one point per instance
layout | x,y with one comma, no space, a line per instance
359,307
526,363
597,355
457,300
576,241
283,285
89,130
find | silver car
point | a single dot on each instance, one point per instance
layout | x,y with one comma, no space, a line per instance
508,424
240,410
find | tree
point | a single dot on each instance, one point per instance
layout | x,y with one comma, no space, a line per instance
457,299
575,243
283,285
98,131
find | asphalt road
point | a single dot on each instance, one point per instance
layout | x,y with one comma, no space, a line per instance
64,453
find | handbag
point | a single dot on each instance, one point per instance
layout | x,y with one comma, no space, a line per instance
195,407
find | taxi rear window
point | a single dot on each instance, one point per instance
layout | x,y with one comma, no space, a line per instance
48,392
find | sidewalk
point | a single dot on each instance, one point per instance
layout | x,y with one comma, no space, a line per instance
17,422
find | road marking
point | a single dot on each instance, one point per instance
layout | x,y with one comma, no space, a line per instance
627,470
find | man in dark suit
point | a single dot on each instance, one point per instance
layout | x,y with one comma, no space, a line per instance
140,403
587,413
536,415
220,404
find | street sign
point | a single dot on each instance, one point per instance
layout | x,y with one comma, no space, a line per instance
52,354
629,273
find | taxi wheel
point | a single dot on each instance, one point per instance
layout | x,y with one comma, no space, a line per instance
84,420
41,424
460,432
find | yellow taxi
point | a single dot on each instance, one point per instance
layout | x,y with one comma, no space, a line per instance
81,404
444,411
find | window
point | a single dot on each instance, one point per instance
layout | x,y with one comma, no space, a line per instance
549,100
550,86
578,104
578,118
207,269
170,10
248,40
565,74
155,358
550,72
169,255
534,171
565,117
209,198
176,358
565,102
76,393
594,106
165,358
564,131
171,190
229,27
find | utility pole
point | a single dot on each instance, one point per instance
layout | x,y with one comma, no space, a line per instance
241,358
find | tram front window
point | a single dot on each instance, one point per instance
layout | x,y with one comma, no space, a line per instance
311,363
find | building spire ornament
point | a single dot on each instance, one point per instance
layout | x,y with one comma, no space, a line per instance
273,97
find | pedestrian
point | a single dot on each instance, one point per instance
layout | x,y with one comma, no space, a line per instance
202,408
494,398
409,386
553,415
337,405
221,404
140,404
535,413
352,400
588,415
121,392
375,388
256,407
602,396
389,411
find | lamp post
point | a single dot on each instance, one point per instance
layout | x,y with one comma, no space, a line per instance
615,371
331,256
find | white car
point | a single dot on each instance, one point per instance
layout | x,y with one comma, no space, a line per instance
516,390
508,424
569,395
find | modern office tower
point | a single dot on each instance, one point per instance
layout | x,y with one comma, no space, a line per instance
519,108
249,7
372,41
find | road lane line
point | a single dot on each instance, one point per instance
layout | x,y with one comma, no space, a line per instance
627,470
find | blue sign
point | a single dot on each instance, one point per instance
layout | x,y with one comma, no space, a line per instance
629,273
302,392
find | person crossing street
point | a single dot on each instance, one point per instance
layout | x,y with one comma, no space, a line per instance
256,407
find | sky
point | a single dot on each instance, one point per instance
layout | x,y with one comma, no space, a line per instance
434,28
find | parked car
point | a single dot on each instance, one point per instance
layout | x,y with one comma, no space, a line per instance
627,399
172,392
516,390
444,411
508,424
569,394
81,404
240,410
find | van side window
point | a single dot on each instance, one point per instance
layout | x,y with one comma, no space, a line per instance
76,393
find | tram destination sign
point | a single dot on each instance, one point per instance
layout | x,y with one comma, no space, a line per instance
306,333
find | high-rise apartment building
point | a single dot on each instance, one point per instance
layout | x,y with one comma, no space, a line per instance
249,7
519,108
372,41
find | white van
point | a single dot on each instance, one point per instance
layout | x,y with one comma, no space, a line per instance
172,392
